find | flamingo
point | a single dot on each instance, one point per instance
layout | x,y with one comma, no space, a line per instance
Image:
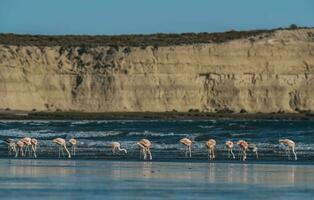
210,145
252,147
229,146
117,147
20,146
11,146
34,143
187,143
243,145
145,145
73,142
62,145
290,146
28,144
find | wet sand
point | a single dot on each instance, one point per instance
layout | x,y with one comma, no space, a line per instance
81,179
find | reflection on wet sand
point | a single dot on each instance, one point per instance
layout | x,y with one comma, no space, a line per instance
272,175
26,168
114,177
216,172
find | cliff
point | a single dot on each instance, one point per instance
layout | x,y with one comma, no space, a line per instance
268,72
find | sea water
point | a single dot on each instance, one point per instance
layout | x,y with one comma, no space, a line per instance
94,137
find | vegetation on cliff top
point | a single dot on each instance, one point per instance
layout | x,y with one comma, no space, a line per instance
158,39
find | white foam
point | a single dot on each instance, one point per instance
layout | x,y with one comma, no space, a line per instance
91,134
153,134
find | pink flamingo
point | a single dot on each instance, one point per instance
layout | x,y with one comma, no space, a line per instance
229,146
211,144
290,146
20,146
116,147
62,145
11,146
243,145
187,143
252,147
28,144
145,145
34,143
73,143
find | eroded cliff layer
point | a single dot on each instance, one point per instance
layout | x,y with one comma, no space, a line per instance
271,72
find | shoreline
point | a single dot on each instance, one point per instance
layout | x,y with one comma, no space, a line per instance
26,115
183,160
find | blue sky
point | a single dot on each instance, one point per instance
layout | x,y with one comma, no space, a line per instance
150,16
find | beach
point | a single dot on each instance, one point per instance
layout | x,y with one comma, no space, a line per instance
81,179
96,173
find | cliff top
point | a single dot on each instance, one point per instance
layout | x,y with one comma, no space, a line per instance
158,39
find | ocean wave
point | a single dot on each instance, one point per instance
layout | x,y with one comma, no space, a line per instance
239,134
94,134
205,126
42,134
81,122
154,134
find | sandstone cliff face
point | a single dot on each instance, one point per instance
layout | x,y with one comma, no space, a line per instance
268,73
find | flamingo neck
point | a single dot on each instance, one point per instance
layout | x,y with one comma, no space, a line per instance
124,150
66,149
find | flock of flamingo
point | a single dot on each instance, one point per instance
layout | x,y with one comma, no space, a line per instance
29,145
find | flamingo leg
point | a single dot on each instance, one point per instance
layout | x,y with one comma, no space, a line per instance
141,150
62,152
244,155
150,154
208,154
214,156
240,154
25,152
16,153
22,152
34,148
59,151
294,153
28,151
145,154
9,149
31,151
289,157
233,156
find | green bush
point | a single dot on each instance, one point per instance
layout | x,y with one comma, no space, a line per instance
155,40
